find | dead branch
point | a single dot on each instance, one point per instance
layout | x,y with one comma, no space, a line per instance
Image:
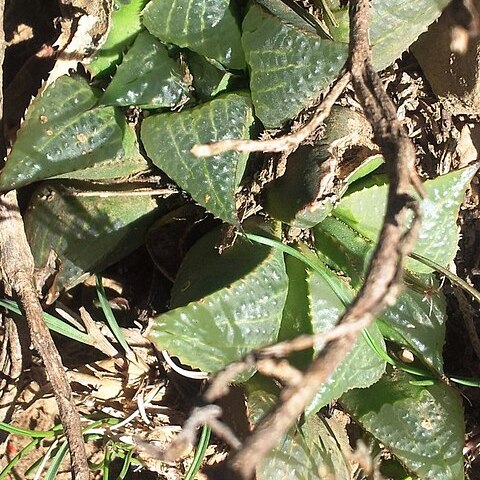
16,263
383,279
11,366
286,143
220,383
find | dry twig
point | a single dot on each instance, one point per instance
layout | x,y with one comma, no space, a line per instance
383,279
16,265
287,143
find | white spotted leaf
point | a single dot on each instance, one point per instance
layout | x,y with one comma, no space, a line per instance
222,312
212,181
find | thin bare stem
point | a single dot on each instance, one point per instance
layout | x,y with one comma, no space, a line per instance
285,143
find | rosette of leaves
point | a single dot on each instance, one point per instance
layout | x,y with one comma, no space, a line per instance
312,301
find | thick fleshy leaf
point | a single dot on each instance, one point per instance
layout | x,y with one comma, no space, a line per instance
422,426
124,26
308,451
314,305
87,233
296,319
128,162
438,238
389,33
290,64
343,249
147,77
362,367
63,132
208,80
417,320
224,311
207,27
211,182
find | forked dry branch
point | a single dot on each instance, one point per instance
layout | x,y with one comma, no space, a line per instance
383,280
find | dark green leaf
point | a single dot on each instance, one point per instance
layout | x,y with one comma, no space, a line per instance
342,248
222,312
288,67
362,367
296,318
290,64
62,133
422,426
211,182
364,209
147,77
124,26
207,27
127,162
417,320
314,304
88,233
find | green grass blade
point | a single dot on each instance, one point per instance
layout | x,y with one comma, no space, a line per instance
56,461
316,266
30,433
107,460
110,317
199,453
53,323
22,453
469,382
456,280
127,461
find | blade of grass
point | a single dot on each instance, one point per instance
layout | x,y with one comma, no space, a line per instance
110,317
56,461
127,461
469,382
107,461
456,280
31,433
22,453
53,323
199,453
